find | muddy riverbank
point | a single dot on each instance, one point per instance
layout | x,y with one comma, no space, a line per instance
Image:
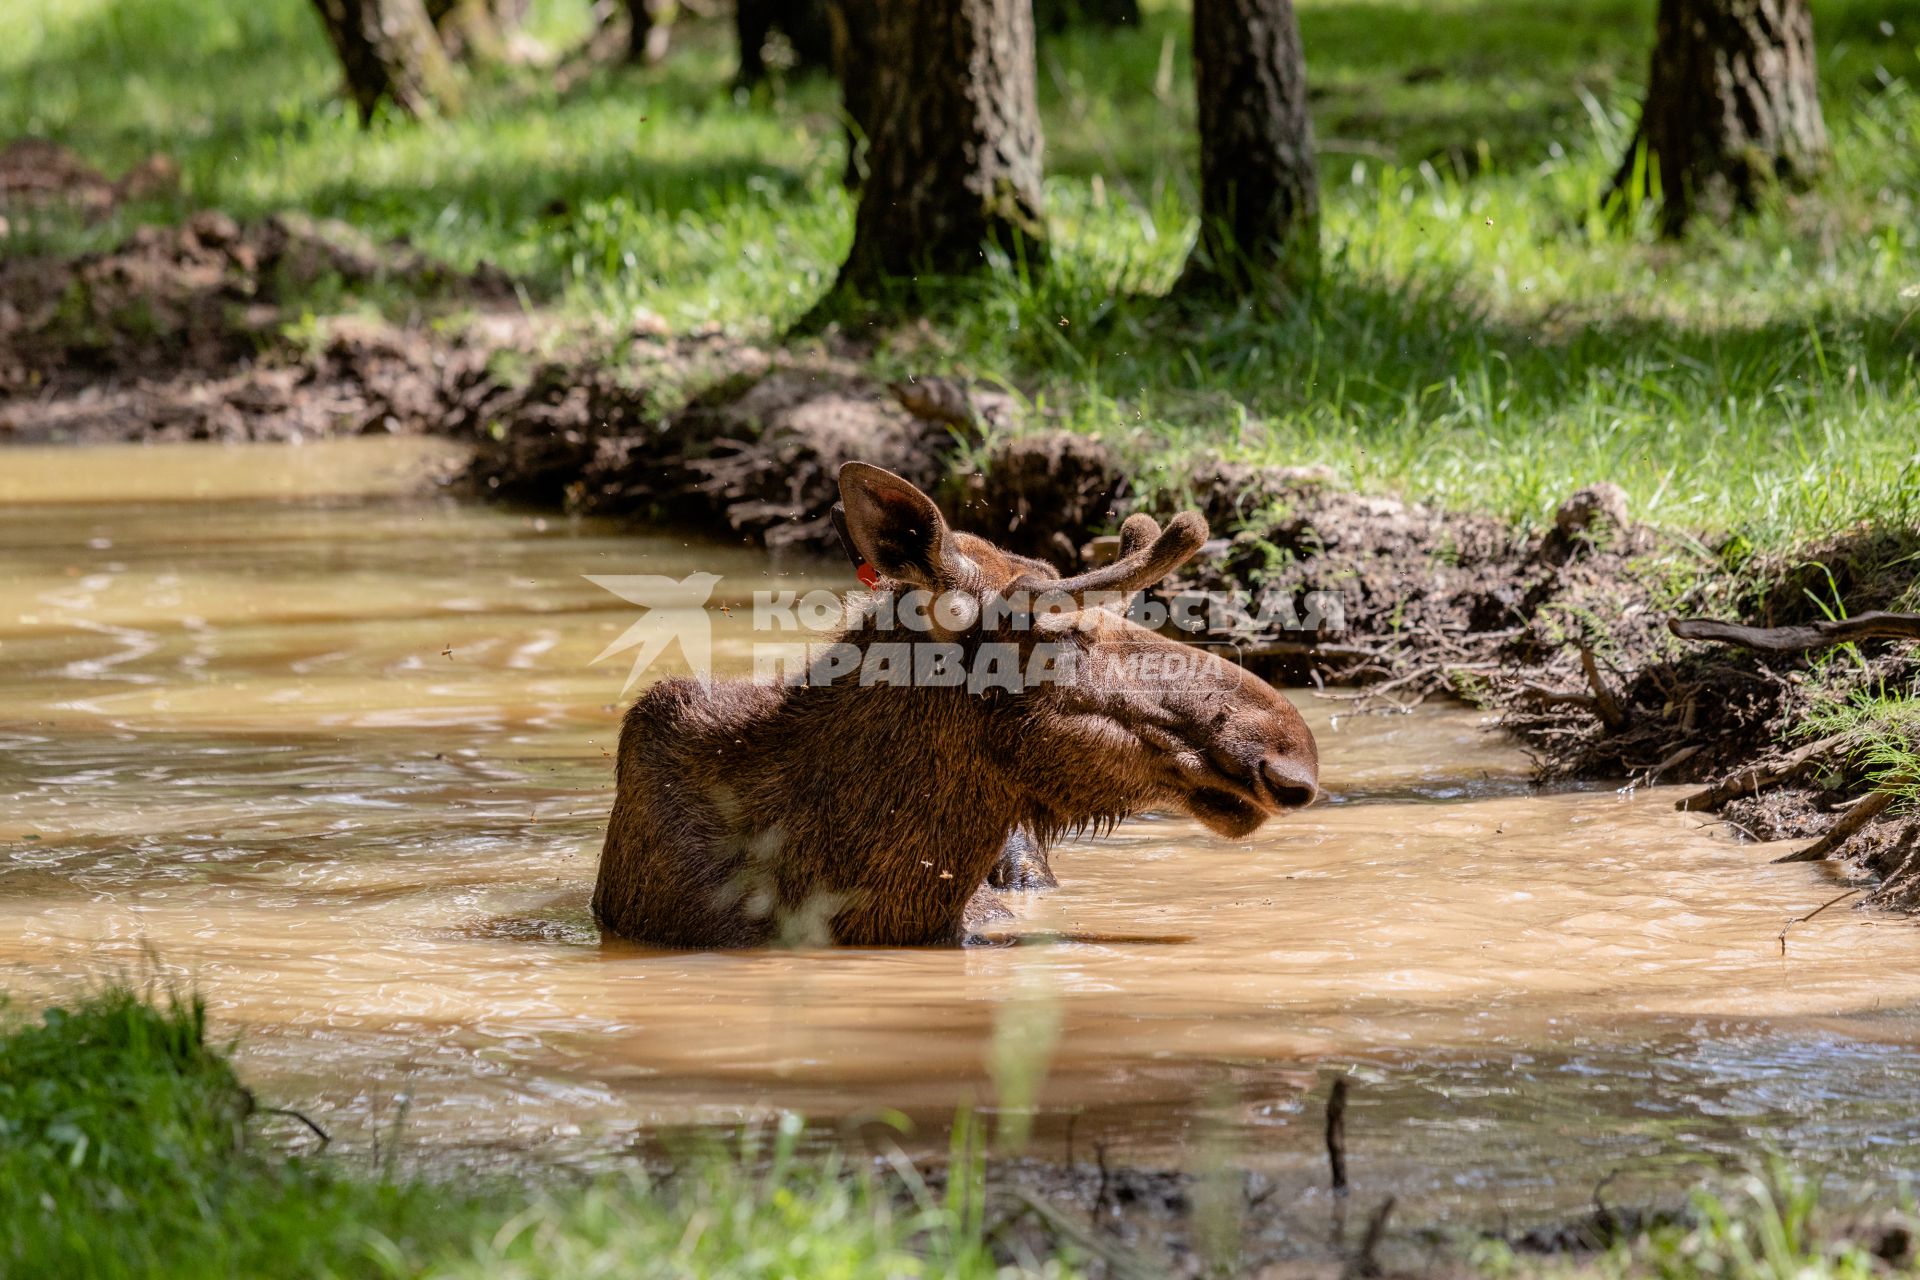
181,335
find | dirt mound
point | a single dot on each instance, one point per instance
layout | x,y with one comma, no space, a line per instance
1688,710
362,378
193,300
1042,495
36,174
758,455
178,334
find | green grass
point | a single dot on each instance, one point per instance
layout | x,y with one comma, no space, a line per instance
1883,727
127,1150
1767,1225
1484,334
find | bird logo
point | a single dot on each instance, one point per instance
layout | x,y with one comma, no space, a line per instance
676,610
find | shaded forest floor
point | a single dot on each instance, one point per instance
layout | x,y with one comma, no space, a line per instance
593,282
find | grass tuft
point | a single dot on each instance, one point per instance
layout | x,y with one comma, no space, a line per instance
126,1151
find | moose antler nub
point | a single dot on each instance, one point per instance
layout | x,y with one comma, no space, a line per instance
1149,554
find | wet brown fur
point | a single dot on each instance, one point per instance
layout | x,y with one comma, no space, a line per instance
750,814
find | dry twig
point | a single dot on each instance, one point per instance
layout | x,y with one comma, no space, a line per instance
1337,1135
303,1118
1605,705
1365,1263
1832,902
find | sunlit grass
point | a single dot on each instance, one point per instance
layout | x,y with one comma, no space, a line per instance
129,1149
1485,334
1883,727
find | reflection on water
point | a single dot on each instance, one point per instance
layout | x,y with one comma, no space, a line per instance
345,762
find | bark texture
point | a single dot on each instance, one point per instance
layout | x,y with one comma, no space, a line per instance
954,143
1259,189
390,53
1733,105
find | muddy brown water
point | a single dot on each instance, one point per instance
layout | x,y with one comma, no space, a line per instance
336,753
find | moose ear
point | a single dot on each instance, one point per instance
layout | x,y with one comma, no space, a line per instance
896,528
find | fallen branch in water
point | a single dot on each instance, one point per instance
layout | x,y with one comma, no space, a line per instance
1562,698
1874,625
1851,821
325,1137
1834,902
1757,778
1337,1135
1310,649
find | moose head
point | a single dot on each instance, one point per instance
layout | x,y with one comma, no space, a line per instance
973,691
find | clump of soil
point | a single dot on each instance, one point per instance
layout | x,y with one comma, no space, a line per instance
1042,495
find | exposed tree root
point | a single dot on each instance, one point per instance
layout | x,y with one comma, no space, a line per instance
1873,625
1856,816
1761,775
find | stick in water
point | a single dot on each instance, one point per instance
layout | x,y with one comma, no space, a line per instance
1337,1135
1811,914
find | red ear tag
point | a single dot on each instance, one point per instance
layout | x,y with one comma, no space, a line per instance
868,575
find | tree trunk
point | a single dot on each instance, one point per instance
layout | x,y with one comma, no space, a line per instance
851,24
1259,192
650,25
469,30
810,32
805,23
1733,105
954,153
390,53
1057,15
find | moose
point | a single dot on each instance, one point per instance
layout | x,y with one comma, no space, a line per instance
842,810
